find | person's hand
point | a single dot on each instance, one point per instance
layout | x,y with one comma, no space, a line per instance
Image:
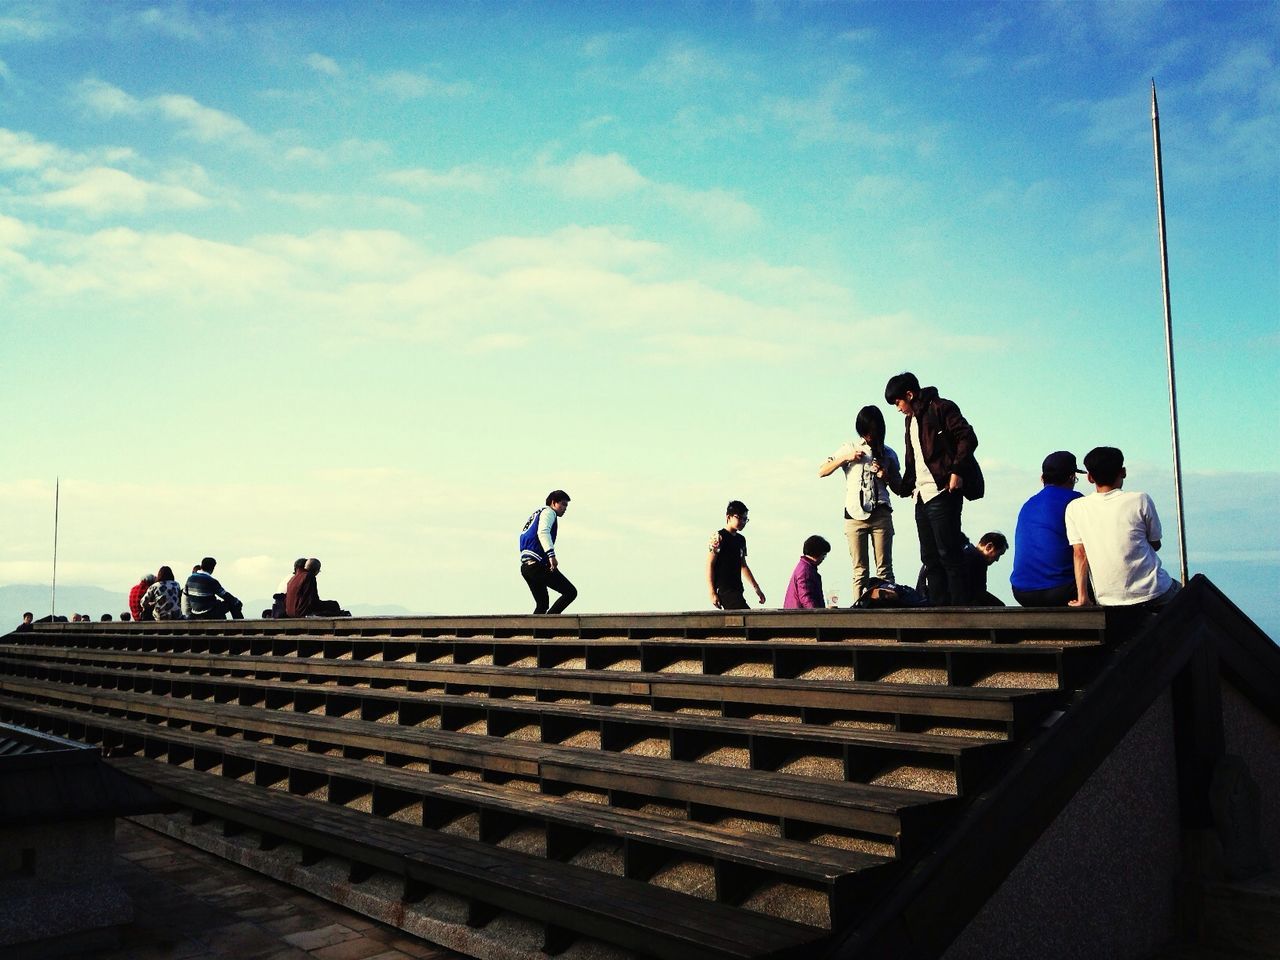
715,601
877,468
857,455
760,596
1078,602
955,483
551,562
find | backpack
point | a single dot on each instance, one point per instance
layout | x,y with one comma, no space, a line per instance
884,594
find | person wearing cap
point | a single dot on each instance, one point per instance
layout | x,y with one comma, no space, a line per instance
538,563
136,592
1114,535
1043,574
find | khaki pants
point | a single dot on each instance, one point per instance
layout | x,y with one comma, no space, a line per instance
878,528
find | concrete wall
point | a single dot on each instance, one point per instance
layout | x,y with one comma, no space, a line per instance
1101,880
1252,736
56,880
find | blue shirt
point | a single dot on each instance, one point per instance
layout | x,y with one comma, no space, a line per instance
1041,554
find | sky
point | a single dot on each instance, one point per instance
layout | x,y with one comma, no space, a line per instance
365,281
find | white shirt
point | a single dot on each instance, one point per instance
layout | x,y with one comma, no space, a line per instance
926,486
862,486
1117,529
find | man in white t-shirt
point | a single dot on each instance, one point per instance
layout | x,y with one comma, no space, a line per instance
1114,536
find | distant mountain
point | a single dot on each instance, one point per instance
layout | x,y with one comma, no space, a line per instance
95,601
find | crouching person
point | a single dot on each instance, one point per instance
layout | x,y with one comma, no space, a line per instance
804,590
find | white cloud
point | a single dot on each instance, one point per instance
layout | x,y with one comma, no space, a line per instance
351,150
322,64
198,121
13,233
99,191
106,100
180,20
203,123
827,116
21,151
593,176
27,22
458,178
415,85
611,176
682,64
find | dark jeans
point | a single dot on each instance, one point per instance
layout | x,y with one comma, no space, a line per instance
539,577
731,598
942,549
1049,597
219,608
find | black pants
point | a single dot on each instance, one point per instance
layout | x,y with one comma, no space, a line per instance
732,598
220,608
1049,597
540,577
942,549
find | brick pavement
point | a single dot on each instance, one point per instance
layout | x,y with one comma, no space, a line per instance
191,905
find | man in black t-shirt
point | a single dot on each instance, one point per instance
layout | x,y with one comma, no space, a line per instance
727,561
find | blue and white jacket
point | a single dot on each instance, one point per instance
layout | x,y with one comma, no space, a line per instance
538,538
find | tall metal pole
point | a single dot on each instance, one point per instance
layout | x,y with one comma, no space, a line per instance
1168,337
53,599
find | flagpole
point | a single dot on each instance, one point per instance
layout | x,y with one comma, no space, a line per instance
1168,337
53,599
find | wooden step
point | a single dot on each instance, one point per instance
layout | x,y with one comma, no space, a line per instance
638,843
955,765
977,662
903,818
989,710
563,896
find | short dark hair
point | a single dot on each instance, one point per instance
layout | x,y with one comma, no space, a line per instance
105,618
1104,465
125,616
898,386
816,546
736,508
557,496
207,564
299,564
29,614
996,539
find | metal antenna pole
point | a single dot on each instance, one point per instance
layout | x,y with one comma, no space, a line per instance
1168,337
53,599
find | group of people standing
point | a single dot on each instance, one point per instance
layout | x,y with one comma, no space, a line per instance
1069,550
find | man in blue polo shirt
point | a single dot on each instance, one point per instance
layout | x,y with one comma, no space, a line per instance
1043,575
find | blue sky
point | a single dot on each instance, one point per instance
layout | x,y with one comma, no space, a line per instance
365,281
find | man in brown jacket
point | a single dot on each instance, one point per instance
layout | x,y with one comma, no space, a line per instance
937,468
